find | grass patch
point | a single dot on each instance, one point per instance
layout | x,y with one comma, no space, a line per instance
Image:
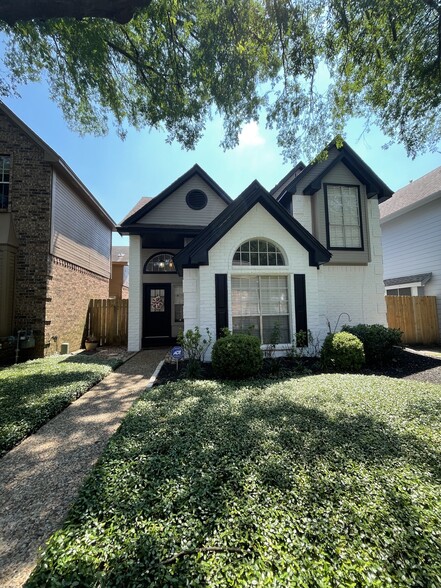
329,480
32,393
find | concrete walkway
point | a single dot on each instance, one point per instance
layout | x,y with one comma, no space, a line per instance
40,478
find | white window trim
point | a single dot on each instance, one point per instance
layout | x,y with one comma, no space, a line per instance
413,285
269,271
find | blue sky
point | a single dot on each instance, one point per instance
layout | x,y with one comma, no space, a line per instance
119,172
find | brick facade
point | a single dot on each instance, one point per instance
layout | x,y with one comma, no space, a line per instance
51,295
69,290
30,205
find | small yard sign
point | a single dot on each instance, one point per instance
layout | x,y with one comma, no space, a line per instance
177,353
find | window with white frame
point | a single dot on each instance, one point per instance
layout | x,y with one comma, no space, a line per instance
5,168
399,292
258,252
260,307
343,217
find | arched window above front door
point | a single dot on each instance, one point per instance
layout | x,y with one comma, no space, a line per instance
160,263
258,252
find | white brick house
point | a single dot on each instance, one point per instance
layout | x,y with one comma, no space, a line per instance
294,259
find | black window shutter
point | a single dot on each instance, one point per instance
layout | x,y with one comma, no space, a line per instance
300,305
221,293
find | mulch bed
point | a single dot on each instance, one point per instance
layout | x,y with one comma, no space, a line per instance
404,364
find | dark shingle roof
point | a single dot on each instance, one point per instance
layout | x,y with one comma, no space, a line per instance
195,253
414,194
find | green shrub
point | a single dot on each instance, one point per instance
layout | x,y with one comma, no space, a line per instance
237,356
378,341
342,352
194,344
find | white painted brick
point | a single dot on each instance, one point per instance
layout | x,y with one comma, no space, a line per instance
135,299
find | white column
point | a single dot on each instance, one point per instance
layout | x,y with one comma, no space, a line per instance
135,294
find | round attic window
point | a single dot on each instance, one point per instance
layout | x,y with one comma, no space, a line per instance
196,199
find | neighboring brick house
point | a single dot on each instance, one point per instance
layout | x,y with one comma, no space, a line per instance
119,281
55,242
411,229
297,257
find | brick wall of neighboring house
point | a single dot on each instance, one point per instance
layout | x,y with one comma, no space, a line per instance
70,289
30,204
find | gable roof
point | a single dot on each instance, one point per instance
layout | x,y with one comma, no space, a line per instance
141,202
420,279
422,190
196,252
296,170
374,185
60,165
153,202
120,254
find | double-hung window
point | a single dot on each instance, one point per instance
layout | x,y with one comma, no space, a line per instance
343,212
260,302
260,307
5,168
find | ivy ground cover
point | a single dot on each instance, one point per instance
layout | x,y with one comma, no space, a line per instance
32,393
328,480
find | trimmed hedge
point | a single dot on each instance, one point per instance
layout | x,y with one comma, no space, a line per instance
342,352
378,341
237,357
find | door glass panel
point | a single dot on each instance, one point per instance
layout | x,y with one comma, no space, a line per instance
157,299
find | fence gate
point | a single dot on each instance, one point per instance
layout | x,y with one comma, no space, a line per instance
107,320
416,316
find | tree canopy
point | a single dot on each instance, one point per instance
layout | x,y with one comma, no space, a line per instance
309,65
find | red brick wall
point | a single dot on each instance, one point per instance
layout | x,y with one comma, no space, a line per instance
30,204
69,291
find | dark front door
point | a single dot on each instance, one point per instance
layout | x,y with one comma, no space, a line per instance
156,320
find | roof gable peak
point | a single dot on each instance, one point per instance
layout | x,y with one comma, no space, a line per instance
346,155
196,253
195,169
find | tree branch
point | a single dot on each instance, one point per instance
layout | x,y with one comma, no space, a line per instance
122,11
135,60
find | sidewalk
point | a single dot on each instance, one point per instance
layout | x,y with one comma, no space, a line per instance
40,478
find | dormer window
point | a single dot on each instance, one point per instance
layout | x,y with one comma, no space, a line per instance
343,217
5,168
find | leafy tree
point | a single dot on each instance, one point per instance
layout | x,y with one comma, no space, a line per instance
175,64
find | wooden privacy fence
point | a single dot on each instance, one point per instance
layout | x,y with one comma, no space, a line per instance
107,320
416,316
